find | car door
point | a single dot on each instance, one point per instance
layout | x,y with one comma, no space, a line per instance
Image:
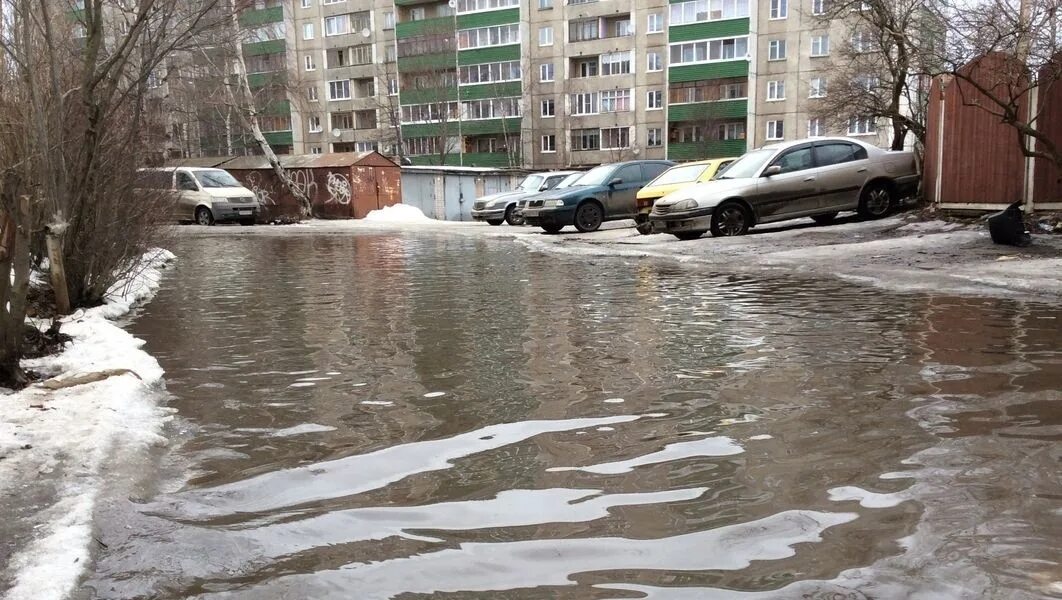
622,195
842,169
792,191
188,194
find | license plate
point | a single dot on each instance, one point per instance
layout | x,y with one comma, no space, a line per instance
245,211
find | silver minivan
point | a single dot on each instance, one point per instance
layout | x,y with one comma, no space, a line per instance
204,196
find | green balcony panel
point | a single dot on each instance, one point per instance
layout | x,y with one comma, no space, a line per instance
510,126
426,96
705,71
280,107
261,80
489,55
77,15
424,27
488,18
498,160
708,111
279,138
447,129
491,90
267,47
427,62
703,150
709,30
254,18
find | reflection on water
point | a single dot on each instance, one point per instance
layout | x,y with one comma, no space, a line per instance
409,416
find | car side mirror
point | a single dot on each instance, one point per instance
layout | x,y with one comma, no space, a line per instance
615,182
772,170
543,187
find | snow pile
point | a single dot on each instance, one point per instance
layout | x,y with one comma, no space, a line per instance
65,439
398,213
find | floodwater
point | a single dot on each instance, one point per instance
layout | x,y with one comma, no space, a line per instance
413,416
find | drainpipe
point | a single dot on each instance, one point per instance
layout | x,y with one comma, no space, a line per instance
1030,144
939,174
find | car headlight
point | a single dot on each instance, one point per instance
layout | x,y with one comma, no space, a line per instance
687,204
495,203
553,203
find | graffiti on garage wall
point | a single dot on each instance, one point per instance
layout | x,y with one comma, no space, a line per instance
259,189
338,189
303,181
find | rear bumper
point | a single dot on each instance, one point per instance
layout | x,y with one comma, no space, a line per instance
694,220
538,217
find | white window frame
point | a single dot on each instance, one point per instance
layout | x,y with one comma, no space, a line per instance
345,29
775,130
333,1
708,50
545,36
820,45
614,99
545,4
339,99
389,19
649,66
307,3
592,103
659,137
779,10
701,11
601,138
307,28
612,60
552,138
552,108
315,150
817,87
312,94
816,127
512,34
654,100
818,7
308,63
776,90
313,124
859,126
392,87
777,50
545,72
656,19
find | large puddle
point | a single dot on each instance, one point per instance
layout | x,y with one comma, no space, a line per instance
389,416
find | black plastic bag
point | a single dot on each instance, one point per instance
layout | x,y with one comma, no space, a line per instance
1008,227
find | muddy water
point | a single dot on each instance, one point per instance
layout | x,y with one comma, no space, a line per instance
385,416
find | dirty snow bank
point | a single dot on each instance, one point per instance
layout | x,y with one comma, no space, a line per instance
398,213
65,439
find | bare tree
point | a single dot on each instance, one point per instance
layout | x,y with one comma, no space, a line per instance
880,70
387,103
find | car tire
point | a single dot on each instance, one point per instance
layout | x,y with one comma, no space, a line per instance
203,216
552,229
876,201
731,218
645,228
688,235
589,216
513,219
495,222
824,218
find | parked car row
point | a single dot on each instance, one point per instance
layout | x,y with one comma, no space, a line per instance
203,196
816,178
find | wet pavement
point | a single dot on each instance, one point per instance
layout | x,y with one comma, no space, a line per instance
406,416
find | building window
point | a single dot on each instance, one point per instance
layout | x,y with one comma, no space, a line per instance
337,25
315,125
484,37
861,41
816,127
656,23
774,130
862,126
732,91
584,29
307,3
586,139
334,1
699,11
775,90
616,101
339,90
545,36
710,50
654,62
776,50
818,7
549,144
392,87
417,13
779,9
365,146
390,53
584,103
545,72
654,99
545,4
492,108
315,150
490,72
616,63
731,131
615,138
548,108
817,87
654,138
343,120
467,6
307,31
389,19
820,45
311,93
586,67
867,83
308,62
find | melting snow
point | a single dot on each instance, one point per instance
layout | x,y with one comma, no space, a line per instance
434,394
398,213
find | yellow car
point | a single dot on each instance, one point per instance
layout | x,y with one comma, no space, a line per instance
673,179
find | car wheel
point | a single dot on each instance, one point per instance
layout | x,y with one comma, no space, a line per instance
875,202
588,217
731,218
203,216
551,229
512,218
495,222
645,228
688,235
824,218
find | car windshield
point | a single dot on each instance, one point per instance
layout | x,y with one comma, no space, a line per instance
679,174
597,175
748,165
216,178
531,183
568,181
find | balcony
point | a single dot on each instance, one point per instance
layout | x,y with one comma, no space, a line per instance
600,28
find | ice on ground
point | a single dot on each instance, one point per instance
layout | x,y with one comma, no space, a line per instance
867,499
398,213
614,400
83,430
301,429
434,394
377,402
303,384
762,436
712,446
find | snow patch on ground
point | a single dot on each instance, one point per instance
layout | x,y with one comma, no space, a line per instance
67,437
398,213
